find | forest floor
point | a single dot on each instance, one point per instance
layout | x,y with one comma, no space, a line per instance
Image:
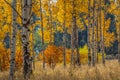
111,71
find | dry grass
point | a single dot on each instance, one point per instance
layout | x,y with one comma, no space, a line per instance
109,72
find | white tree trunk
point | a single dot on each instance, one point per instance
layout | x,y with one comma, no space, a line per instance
88,34
26,12
13,41
93,35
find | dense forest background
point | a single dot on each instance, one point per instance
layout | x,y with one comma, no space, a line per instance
113,49
58,32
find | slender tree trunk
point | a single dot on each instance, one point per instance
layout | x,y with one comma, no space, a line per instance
73,35
100,21
64,35
77,47
88,34
42,34
119,40
75,59
13,42
102,35
97,29
26,13
100,17
93,35
72,49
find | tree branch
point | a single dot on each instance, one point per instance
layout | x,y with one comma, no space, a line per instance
13,9
82,19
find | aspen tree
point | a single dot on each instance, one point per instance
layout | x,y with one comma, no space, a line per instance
73,34
13,41
26,15
102,34
97,30
77,47
42,30
93,35
88,33
64,35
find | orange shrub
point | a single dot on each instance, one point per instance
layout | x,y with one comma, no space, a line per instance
5,58
53,55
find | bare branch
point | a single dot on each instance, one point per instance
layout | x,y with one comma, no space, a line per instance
13,8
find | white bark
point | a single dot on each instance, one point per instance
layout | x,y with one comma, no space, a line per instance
88,33
26,13
13,41
93,35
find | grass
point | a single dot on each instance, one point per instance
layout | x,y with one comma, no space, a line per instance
111,71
